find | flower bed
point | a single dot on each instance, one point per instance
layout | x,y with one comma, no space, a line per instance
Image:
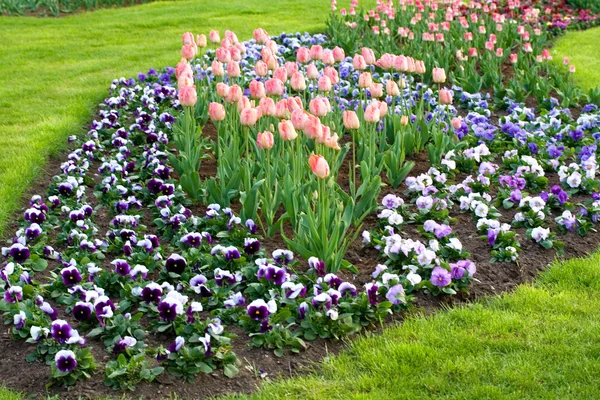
156,251
55,8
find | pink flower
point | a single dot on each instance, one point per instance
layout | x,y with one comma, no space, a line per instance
386,61
365,80
527,48
281,109
231,36
319,166
338,54
267,106
376,90
265,140
324,84
312,72
299,118
312,127
189,51
319,106
222,89
456,122
274,87
332,142
445,96
499,52
368,55
303,55
297,82
214,36
187,38
216,111
223,55
316,50
439,75
261,36
291,68
257,89
572,69
400,63
294,103
566,61
187,96
183,67
236,54
513,58
327,57
217,68
281,74
372,112
358,62
244,102
249,116
391,88
420,67
261,68
271,61
332,74
287,130
234,94
351,121
233,69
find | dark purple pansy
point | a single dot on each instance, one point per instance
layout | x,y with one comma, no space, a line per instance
176,264
70,276
19,253
65,361
61,331
82,311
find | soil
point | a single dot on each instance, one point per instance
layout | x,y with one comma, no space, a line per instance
258,365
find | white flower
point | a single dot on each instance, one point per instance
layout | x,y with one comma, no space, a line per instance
481,210
455,244
540,234
395,219
413,278
332,314
574,180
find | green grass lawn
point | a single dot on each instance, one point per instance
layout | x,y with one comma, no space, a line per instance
56,70
583,50
540,342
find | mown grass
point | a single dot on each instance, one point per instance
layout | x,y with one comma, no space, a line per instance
583,49
55,71
540,342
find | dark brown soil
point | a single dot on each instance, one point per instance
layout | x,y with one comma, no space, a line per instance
258,365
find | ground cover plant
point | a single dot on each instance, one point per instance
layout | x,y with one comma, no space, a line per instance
55,8
158,241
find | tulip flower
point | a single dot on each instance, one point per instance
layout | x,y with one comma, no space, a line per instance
445,96
261,36
287,130
439,75
319,166
350,119
265,141
214,36
274,87
188,96
201,40
249,116
372,112
261,68
365,80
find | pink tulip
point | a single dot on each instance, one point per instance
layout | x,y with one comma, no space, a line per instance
316,50
222,89
456,122
566,61
185,80
358,62
223,55
187,38
216,111
272,45
226,43
400,63
332,142
368,55
372,113
319,166
299,118
391,88
527,48
189,51
267,106
231,36
376,90
312,72
234,94
383,109
183,67
291,68
265,140
499,52
281,74
241,47
261,68
312,127
244,102
281,109
201,40
294,103
324,84
214,36
365,80
386,61
303,55
236,55
332,74
257,89
319,106
187,96
513,58
572,69
297,82
325,134
439,75
351,121
404,120
274,87
287,130
420,67
338,54
217,68
271,62
233,69
249,116
473,52
261,36
445,96
327,57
